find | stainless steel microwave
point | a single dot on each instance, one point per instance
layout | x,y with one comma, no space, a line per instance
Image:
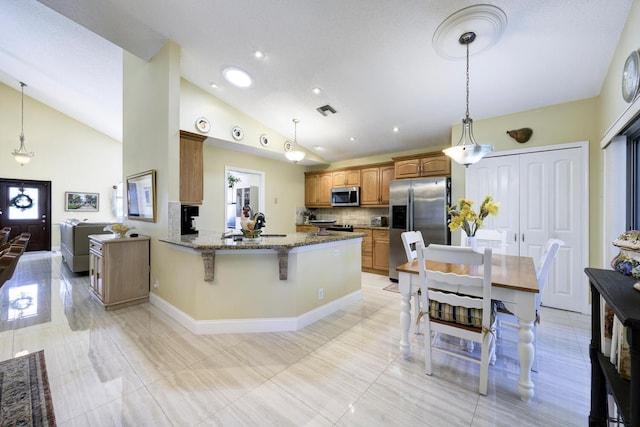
345,196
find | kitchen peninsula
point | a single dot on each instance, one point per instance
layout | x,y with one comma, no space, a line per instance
274,283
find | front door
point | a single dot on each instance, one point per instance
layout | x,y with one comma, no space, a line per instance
25,206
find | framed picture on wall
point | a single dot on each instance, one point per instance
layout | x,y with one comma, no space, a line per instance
81,202
141,196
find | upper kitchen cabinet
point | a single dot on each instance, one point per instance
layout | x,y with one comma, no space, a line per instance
317,189
374,190
422,165
346,178
191,168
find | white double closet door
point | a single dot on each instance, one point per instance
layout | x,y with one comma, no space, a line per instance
543,194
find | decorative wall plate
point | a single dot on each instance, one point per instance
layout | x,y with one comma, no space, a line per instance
264,140
288,146
237,133
202,124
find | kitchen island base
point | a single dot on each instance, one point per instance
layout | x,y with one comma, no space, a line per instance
247,293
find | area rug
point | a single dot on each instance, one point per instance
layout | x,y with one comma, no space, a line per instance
392,288
25,399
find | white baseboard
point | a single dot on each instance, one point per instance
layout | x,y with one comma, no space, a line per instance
236,326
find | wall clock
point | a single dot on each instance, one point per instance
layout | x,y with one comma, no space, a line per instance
237,133
202,124
631,77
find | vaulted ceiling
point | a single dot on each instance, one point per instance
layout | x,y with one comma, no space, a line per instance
374,60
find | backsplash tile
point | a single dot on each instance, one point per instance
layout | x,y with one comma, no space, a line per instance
347,215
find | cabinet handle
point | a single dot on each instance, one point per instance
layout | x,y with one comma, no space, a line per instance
515,237
523,237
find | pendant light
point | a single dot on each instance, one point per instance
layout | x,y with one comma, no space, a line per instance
21,155
294,154
467,151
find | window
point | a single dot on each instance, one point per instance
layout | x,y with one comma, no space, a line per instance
633,177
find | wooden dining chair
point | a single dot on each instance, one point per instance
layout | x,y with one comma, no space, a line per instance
494,239
457,304
4,235
506,319
409,241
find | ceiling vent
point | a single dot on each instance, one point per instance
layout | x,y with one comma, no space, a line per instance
325,110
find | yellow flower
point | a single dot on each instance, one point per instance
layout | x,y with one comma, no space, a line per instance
467,219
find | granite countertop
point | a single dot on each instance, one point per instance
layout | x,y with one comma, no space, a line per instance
211,241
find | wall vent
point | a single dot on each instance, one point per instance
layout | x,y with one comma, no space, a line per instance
325,110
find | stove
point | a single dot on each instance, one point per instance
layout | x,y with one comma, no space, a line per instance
340,227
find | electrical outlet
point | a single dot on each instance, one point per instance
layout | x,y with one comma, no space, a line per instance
321,293
156,285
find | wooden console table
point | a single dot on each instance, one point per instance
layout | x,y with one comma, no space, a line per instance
617,290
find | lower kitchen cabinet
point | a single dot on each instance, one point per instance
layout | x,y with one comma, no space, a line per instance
119,270
375,250
367,248
381,250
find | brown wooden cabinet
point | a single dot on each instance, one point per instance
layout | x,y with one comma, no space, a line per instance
375,185
317,189
118,270
423,165
367,248
346,178
381,250
191,168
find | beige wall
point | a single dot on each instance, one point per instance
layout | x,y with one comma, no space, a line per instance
73,156
195,102
284,189
556,124
151,140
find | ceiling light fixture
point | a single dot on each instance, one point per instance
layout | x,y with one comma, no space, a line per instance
21,155
316,90
259,54
295,155
237,77
396,129
467,151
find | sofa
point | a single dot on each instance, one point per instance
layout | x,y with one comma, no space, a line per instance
74,242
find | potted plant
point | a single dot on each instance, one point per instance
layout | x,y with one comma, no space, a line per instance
232,180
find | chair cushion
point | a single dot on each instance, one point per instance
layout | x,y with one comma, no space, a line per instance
460,315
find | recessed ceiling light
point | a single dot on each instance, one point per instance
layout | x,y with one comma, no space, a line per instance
237,77
213,85
318,148
316,90
353,138
396,129
259,54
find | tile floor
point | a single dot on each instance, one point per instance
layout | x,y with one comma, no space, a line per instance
137,367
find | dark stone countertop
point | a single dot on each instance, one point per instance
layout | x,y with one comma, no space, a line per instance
212,241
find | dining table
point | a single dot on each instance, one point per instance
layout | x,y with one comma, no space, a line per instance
513,281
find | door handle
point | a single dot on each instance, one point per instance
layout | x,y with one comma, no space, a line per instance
523,237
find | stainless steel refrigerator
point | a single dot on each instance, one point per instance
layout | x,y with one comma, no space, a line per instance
418,204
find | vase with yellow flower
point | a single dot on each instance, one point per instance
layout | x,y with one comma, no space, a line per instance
463,216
